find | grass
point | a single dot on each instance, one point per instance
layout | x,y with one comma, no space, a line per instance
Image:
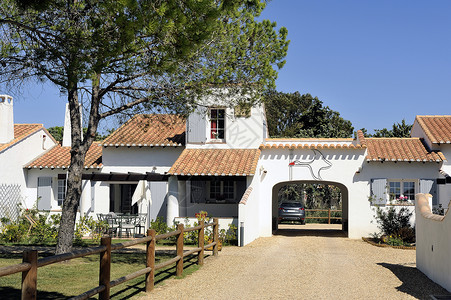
63,280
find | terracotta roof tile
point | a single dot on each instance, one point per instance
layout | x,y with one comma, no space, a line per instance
437,128
216,162
400,149
149,130
21,131
361,137
59,157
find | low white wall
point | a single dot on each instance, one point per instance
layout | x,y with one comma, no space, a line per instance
433,243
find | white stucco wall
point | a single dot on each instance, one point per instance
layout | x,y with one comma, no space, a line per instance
247,215
344,164
15,157
139,160
240,132
433,243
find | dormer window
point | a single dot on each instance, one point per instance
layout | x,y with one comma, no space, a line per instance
217,123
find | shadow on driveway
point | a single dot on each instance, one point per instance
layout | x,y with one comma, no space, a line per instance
320,230
414,282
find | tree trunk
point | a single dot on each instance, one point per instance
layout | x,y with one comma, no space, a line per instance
78,152
74,186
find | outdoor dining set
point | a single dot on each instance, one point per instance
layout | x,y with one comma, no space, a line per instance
118,223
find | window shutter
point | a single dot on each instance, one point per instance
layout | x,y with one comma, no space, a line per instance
197,126
429,186
158,191
44,193
379,190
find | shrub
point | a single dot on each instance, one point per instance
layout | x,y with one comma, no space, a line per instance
395,225
159,225
88,226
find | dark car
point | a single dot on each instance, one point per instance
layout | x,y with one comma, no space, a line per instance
292,211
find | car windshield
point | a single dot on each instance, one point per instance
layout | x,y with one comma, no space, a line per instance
291,204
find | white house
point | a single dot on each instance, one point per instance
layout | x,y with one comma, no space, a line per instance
221,160
19,143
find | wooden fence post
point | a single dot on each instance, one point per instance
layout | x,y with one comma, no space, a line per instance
30,277
150,260
200,244
179,264
216,235
105,268
329,217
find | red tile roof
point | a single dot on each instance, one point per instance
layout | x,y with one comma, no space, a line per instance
149,130
59,157
400,149
437,128
21,131
216,162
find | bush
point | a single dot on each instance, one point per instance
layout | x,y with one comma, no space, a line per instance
88,226
395,226
159,225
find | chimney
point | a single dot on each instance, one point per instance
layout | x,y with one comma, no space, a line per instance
67,136
6,119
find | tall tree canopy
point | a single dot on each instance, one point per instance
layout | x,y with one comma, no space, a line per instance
118,56
398,130
297,116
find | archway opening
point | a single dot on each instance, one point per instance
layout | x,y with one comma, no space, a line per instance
325,208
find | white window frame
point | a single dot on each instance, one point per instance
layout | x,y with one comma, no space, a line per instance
210,138
401,182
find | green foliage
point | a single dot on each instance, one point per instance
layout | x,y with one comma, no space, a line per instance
88,226
398,130
37,227
292,115
31,227
57,132
159,225
395,225
229,236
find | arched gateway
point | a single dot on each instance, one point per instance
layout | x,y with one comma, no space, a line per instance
278,186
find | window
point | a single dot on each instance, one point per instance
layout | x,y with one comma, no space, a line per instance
61,191
222,190
217,123
402,190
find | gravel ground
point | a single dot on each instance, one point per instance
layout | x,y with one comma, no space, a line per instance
306,264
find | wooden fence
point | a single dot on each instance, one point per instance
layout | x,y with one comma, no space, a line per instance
329,217
31,263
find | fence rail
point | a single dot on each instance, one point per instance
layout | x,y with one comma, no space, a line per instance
31,263
329,217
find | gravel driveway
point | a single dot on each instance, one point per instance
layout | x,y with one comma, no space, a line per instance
305,264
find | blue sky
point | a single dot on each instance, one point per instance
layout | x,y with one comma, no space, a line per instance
375,62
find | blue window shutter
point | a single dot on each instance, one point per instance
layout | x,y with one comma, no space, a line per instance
197,126
429,186
44,193
379,190
158,191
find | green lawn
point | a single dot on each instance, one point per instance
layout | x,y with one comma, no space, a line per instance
63,280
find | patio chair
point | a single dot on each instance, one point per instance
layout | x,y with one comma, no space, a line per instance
127,224
141,223
113,223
